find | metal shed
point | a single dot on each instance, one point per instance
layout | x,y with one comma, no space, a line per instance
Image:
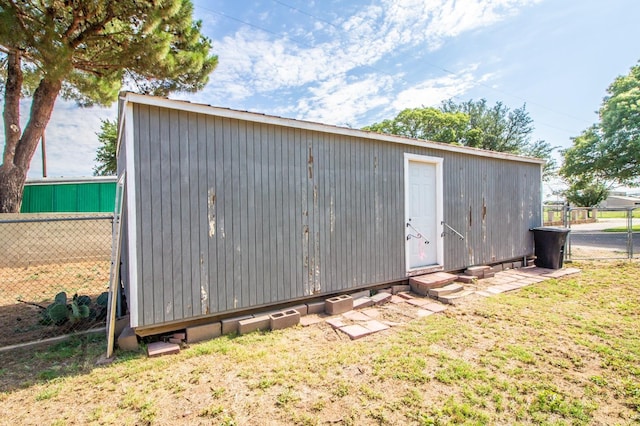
229,210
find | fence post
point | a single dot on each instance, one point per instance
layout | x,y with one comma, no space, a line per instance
630,233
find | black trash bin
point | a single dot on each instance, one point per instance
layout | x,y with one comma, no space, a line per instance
549,246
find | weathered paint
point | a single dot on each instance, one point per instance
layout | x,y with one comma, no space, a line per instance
237,212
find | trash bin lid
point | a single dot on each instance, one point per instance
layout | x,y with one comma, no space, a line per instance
551,229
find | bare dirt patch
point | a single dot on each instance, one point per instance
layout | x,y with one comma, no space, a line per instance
25,291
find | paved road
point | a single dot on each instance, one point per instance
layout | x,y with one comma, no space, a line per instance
592,235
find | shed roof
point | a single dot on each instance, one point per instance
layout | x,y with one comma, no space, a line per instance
129,97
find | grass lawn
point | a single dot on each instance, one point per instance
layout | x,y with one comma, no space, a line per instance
618,214
563,351
635,228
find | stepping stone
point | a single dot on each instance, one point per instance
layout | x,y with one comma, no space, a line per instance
162,348
423,283
363,302
477,271
397,299
418,302
466,279
336,322
356,316
451,299
406,296
375,326
424,313
381,298
310,320
355,331
434,307
443,291
371,313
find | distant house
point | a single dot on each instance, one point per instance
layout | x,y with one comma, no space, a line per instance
613,201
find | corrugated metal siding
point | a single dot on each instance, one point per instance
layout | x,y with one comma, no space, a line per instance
233,214
95,197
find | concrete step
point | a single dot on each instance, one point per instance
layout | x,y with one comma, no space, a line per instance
448,289
423,283
453,298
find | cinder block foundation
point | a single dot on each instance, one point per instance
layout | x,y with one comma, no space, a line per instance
230,325
262,322
339,304
199,333
315,308
288,318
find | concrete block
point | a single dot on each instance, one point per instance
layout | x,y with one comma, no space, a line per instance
339,304
162,348
120,325
488,274
230,325
358,295
466,279
400,288
285,319
202,332
476,271
421,284
363,302
381,298
315,308
127,340
175,341
302,309
507,265
261,322
517,264
386,290
179,336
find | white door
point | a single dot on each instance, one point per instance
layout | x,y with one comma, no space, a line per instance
423,212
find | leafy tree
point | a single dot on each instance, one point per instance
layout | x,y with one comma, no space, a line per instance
425,123
106,155
586,194
474,124
610,150
85,51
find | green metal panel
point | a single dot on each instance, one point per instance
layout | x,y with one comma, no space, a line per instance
62,197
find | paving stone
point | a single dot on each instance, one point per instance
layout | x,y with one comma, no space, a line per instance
286,319
494,290
261,322
484,293
202,332
466,279
400,288
363,302
336,322
386,290
392,323
310,320
421,313
375,326
338,304
230,325
315,308
355,316
162,348
381,298
371,313
452,299
355,331
443,291
418,302
397,299
404,295
488,274
434,307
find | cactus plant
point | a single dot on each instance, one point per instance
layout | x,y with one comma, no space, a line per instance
79,308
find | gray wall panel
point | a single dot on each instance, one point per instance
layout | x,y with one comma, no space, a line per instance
234,214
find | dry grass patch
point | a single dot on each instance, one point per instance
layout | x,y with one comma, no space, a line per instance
560,352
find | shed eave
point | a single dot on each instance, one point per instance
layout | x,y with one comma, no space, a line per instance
313,126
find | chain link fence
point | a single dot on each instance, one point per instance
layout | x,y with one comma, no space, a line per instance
54,272
602,233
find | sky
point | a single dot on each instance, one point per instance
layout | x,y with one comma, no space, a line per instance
353,63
